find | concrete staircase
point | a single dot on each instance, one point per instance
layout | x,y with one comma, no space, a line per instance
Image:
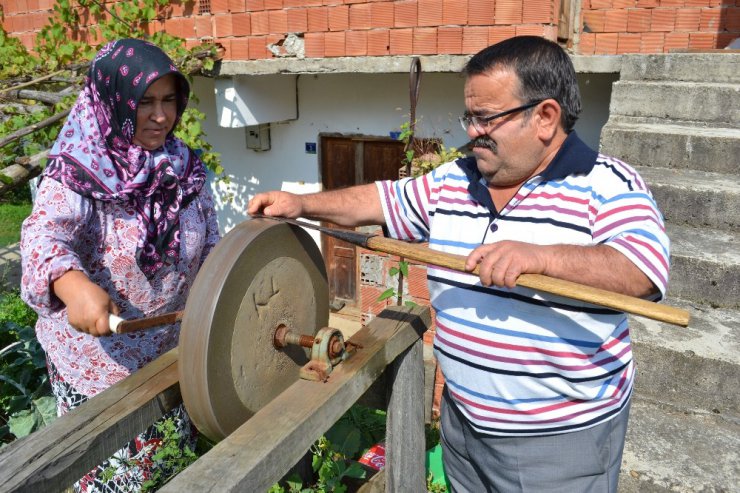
676,118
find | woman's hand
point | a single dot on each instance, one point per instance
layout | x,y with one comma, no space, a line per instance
88,305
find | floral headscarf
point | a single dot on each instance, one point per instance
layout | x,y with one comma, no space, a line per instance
94,154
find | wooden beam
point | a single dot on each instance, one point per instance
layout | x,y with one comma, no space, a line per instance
54,457
21,171
405,427
260,451
32,128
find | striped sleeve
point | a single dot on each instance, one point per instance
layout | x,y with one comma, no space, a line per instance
630,222
408,204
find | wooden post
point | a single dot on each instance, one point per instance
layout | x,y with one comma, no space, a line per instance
405,460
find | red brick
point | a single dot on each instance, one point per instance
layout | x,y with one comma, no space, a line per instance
401,41
356,43
405,13
732,19
425,41
381,14
417,281
539,12
172,26
241,24
702,41
595,20
638,20
623,4
530,30
334,44
697,3
277,21
314,45
606,44
602,4
188,27
33,5
239,49
652,42
297,20
318,19
219,6
710,19
273,4
481,12
724,39
430,12
203,26
378,42
455,12
687,19
586,44
628,43
647,3
676,41
662,20
254,5
258,48
236,6
338,18
508,12
500,33
615,21
260,22
359,16
222,26
474,39
449,40
672,3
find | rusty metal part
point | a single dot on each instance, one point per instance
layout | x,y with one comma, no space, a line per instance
259,277
327,351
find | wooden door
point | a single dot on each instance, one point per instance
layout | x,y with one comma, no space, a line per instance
347,161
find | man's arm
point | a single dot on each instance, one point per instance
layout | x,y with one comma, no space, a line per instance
599,266
354,206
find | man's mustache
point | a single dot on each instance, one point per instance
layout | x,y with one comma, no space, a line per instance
485,142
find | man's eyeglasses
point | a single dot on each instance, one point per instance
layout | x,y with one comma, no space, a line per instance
481,123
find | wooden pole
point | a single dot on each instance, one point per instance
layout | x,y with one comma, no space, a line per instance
572,290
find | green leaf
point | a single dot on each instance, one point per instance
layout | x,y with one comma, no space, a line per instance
345,437
388,293
355,470
47,408
23,423
404,266
393,271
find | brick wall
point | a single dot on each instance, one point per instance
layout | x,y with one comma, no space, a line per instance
657,26
330,28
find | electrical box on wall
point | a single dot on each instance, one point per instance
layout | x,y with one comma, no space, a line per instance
258,137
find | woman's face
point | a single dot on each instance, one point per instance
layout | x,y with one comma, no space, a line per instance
156,113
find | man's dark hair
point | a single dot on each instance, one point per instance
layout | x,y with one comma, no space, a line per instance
543,68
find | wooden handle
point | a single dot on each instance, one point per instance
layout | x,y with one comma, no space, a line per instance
568,289
121,326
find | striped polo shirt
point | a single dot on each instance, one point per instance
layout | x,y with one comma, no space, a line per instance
516,361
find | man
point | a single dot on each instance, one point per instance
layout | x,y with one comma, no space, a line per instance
537,386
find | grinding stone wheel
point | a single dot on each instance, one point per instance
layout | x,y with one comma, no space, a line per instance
259,276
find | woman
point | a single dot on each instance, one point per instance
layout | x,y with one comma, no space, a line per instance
121,223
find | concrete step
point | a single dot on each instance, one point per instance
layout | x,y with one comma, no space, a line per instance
673,450
683,101
673,146
688,67
705,265
696,198
695,367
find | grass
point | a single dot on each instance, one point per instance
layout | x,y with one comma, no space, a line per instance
11,217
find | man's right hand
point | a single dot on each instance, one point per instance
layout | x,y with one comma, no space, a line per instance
276,203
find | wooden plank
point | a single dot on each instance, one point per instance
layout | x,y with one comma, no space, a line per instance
260,451
54,457
405,459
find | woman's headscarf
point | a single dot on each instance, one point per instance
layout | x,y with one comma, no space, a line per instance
94,154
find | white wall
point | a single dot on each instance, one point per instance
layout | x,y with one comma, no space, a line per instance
369,104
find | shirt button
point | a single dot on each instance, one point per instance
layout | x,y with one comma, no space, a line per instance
494,227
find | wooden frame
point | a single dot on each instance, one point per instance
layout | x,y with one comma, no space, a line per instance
264,448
